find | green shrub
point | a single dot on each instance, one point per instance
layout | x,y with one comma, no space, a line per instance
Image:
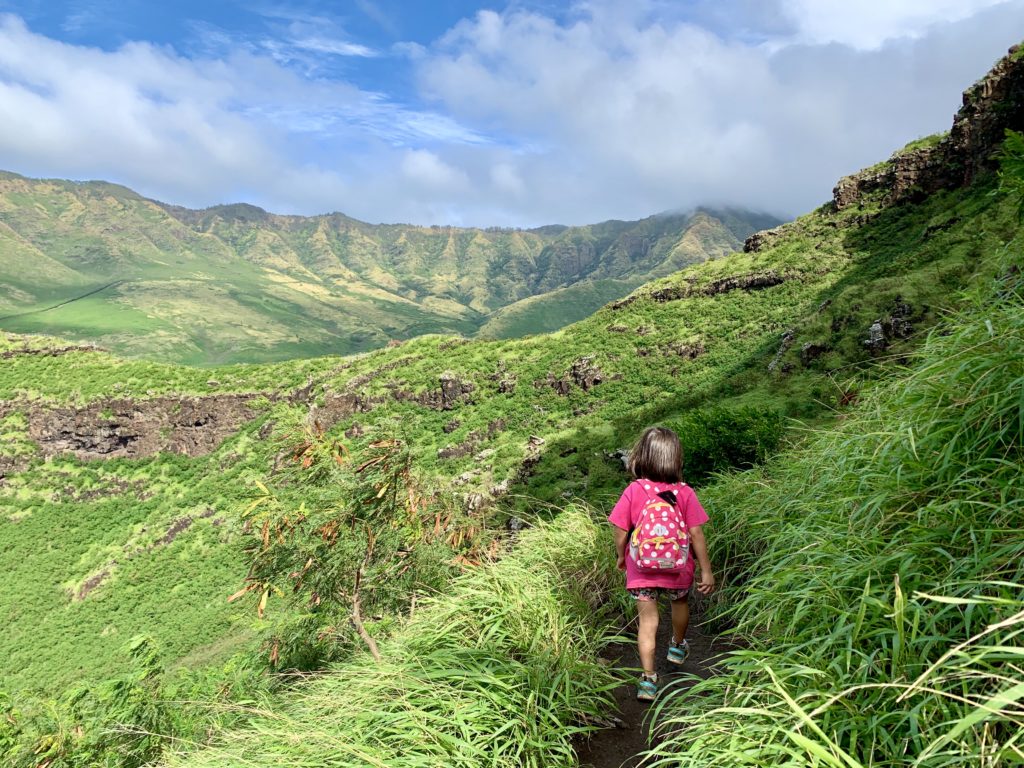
719,439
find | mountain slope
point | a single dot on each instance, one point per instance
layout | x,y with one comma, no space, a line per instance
136,475
716,334
97,262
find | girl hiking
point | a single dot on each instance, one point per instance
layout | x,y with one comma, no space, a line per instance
659,540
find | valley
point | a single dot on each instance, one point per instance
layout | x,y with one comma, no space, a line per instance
96,262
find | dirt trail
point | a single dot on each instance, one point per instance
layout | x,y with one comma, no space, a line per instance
93,292
620,747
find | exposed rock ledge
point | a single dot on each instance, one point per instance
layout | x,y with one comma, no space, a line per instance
990,106
7,354
135,428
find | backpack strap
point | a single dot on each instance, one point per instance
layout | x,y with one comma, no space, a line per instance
640,483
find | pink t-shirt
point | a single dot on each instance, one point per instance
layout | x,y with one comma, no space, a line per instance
625,514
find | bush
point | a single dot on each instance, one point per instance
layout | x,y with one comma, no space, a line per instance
720,439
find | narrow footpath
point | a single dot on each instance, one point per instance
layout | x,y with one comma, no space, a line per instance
620,747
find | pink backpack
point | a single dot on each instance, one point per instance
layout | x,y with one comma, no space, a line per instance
660,541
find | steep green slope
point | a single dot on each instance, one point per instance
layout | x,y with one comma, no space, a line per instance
896,639
549,311
97,262
557,307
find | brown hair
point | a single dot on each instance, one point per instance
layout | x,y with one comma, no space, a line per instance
657,456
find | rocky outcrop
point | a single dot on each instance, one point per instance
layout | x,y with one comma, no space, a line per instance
582,373
452,393
12,465
124,428
811,351
896,325
472,442
784,344
754,281
763,239
990,107
690,351
7,354
672,293
454,390
585,374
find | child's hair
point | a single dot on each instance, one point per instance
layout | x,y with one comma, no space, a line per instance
657,456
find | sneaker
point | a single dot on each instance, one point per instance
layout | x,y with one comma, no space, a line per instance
647,688
677,653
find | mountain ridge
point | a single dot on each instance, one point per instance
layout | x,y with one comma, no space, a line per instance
237,283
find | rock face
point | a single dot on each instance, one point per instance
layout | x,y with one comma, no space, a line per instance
876,340
454,390
752,281
755,281
583,373
49,351
690,351
896,325
788,337
763,239
134,428
990,107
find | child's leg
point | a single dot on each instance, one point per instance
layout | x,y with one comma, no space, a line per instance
647,634
680,619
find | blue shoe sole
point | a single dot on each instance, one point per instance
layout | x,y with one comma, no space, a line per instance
678,658
646,692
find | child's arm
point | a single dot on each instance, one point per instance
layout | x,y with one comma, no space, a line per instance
621,537
700,550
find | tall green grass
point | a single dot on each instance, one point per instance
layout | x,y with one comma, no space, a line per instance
878,575
502,670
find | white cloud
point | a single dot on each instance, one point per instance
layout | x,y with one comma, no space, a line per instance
867,24
202,131
428,170
335,47
506,178
615,110
633,112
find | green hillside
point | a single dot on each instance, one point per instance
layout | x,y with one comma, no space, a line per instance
97,262
370,496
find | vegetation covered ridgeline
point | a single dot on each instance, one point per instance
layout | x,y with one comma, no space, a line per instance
53,371
897,637
96,262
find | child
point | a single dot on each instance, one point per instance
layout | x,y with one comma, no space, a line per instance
655,502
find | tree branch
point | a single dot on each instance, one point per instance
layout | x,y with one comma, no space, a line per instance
357,616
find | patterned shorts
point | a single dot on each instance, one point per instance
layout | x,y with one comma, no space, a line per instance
652,593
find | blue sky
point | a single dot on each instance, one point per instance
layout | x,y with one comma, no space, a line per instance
352,40
518,113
